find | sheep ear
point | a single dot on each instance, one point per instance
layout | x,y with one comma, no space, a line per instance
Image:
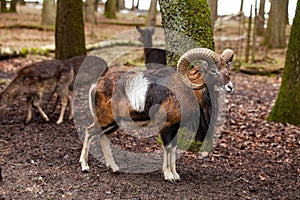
204,65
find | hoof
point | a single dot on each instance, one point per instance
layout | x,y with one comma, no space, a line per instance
85,168
171,181
116,170
176,177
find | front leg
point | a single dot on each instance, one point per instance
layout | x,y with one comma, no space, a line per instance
169,164
36,104
169,137
168,176
173,163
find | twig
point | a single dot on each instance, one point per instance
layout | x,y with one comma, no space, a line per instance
4,141
230,132
241,178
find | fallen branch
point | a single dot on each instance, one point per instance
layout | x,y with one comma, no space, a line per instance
6,52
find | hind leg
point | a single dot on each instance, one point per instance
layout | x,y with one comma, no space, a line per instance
64,103
85,149
71,115
109,159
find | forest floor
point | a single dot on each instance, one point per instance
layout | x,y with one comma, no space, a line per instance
251,159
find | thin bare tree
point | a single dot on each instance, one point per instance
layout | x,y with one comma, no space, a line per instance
276,37
48,12
213,5
151,15
260,20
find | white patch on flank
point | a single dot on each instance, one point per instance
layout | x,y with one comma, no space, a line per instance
136,88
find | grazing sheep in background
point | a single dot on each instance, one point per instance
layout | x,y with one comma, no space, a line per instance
123,96
152,56
73,64
35,79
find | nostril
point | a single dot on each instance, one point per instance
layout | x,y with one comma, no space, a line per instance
229,88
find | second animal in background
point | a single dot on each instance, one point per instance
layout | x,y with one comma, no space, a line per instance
154,57
33,80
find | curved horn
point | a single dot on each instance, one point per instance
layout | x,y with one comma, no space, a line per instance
227,55
195,54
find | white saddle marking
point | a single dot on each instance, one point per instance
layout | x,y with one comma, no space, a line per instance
136,89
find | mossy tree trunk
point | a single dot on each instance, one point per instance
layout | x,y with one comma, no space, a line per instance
276,37
287,105
69,29
188,18
48,12
187,25
110,9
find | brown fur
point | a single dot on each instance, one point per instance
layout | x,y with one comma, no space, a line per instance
166,88
32,81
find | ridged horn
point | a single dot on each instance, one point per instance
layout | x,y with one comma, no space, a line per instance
227,55
192,55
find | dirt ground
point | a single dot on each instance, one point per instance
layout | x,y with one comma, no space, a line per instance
252,158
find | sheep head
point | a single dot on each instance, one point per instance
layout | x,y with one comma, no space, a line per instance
146,35
215,69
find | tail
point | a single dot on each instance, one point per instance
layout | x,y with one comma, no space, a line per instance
92,99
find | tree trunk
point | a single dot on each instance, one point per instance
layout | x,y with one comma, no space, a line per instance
120,5
69,29
48,12
275,37
254,33
213,5
132,5
96,3
287,105
241,6
90,11
110,9
13,6
287,12
3,6
260,20
22,2
247,53
187,25
151,15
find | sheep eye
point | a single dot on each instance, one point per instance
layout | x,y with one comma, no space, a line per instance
213,71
